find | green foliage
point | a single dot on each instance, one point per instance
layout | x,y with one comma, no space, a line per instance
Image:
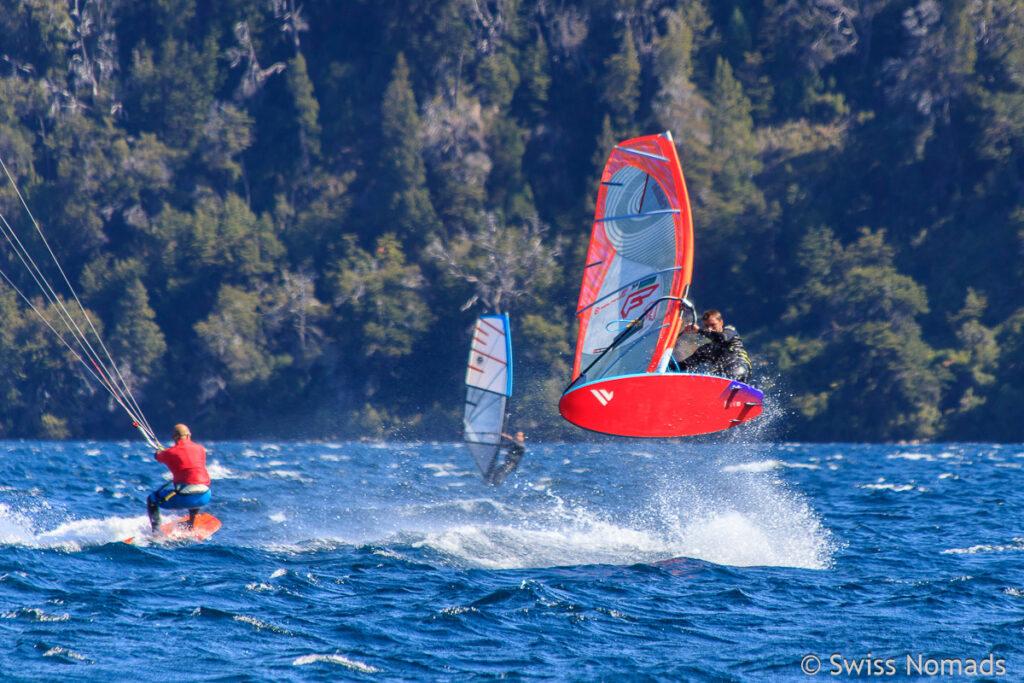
135,339
307,108
621,86
379,299
507,188
53,427
535,81
541,350
402,171
233,336
277,217
171,92
501,262
973,364
498,79
861,352
733,145
218,241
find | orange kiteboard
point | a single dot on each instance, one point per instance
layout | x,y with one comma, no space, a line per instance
204,527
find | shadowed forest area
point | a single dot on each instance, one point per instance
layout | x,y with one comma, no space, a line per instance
285,216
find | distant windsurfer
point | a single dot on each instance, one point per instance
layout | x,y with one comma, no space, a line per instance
189,487
516,449
723,354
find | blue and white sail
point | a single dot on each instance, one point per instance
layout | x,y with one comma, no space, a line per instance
488,389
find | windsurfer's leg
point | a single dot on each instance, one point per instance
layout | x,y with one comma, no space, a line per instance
512,460
192,512
153,510
737,369
695,360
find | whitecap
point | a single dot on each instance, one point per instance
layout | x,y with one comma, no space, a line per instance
888,487
262,625
69,654
458,609
35,614
757,466
445,469
218,471
260,587
911,456
336,659
1017,545
766,465
286,474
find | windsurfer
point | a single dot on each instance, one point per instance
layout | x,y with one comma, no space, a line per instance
723,355
516,447
189,487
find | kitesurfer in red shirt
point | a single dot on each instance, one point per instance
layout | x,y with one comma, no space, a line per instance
190,482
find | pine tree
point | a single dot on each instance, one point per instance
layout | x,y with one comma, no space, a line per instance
307,111
403,174
733,144
621,84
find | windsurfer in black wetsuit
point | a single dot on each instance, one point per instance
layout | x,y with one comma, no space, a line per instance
516,449
722,355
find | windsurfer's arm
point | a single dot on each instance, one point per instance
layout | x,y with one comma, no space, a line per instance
717,337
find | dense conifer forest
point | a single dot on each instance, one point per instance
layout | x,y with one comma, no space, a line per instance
285,216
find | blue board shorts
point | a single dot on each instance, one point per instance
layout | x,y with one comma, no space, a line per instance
169,497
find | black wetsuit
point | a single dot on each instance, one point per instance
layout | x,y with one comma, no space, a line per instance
723,355
515,454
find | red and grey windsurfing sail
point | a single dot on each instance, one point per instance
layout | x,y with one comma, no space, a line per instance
638,265
635,283
488,390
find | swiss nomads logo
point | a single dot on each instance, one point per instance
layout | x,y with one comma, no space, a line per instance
636,300
603,395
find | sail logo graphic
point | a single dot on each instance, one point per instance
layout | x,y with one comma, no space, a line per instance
602,395
636,300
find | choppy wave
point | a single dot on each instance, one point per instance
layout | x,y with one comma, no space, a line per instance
641,560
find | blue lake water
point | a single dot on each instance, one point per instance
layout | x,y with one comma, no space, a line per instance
629,560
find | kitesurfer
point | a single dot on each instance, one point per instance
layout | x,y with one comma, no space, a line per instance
723,355
189,487
516,447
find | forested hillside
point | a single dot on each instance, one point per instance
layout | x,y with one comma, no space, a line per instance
285,216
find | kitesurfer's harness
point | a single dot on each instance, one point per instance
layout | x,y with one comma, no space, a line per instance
180,489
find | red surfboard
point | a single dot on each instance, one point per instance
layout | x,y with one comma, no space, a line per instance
205,525
661,404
